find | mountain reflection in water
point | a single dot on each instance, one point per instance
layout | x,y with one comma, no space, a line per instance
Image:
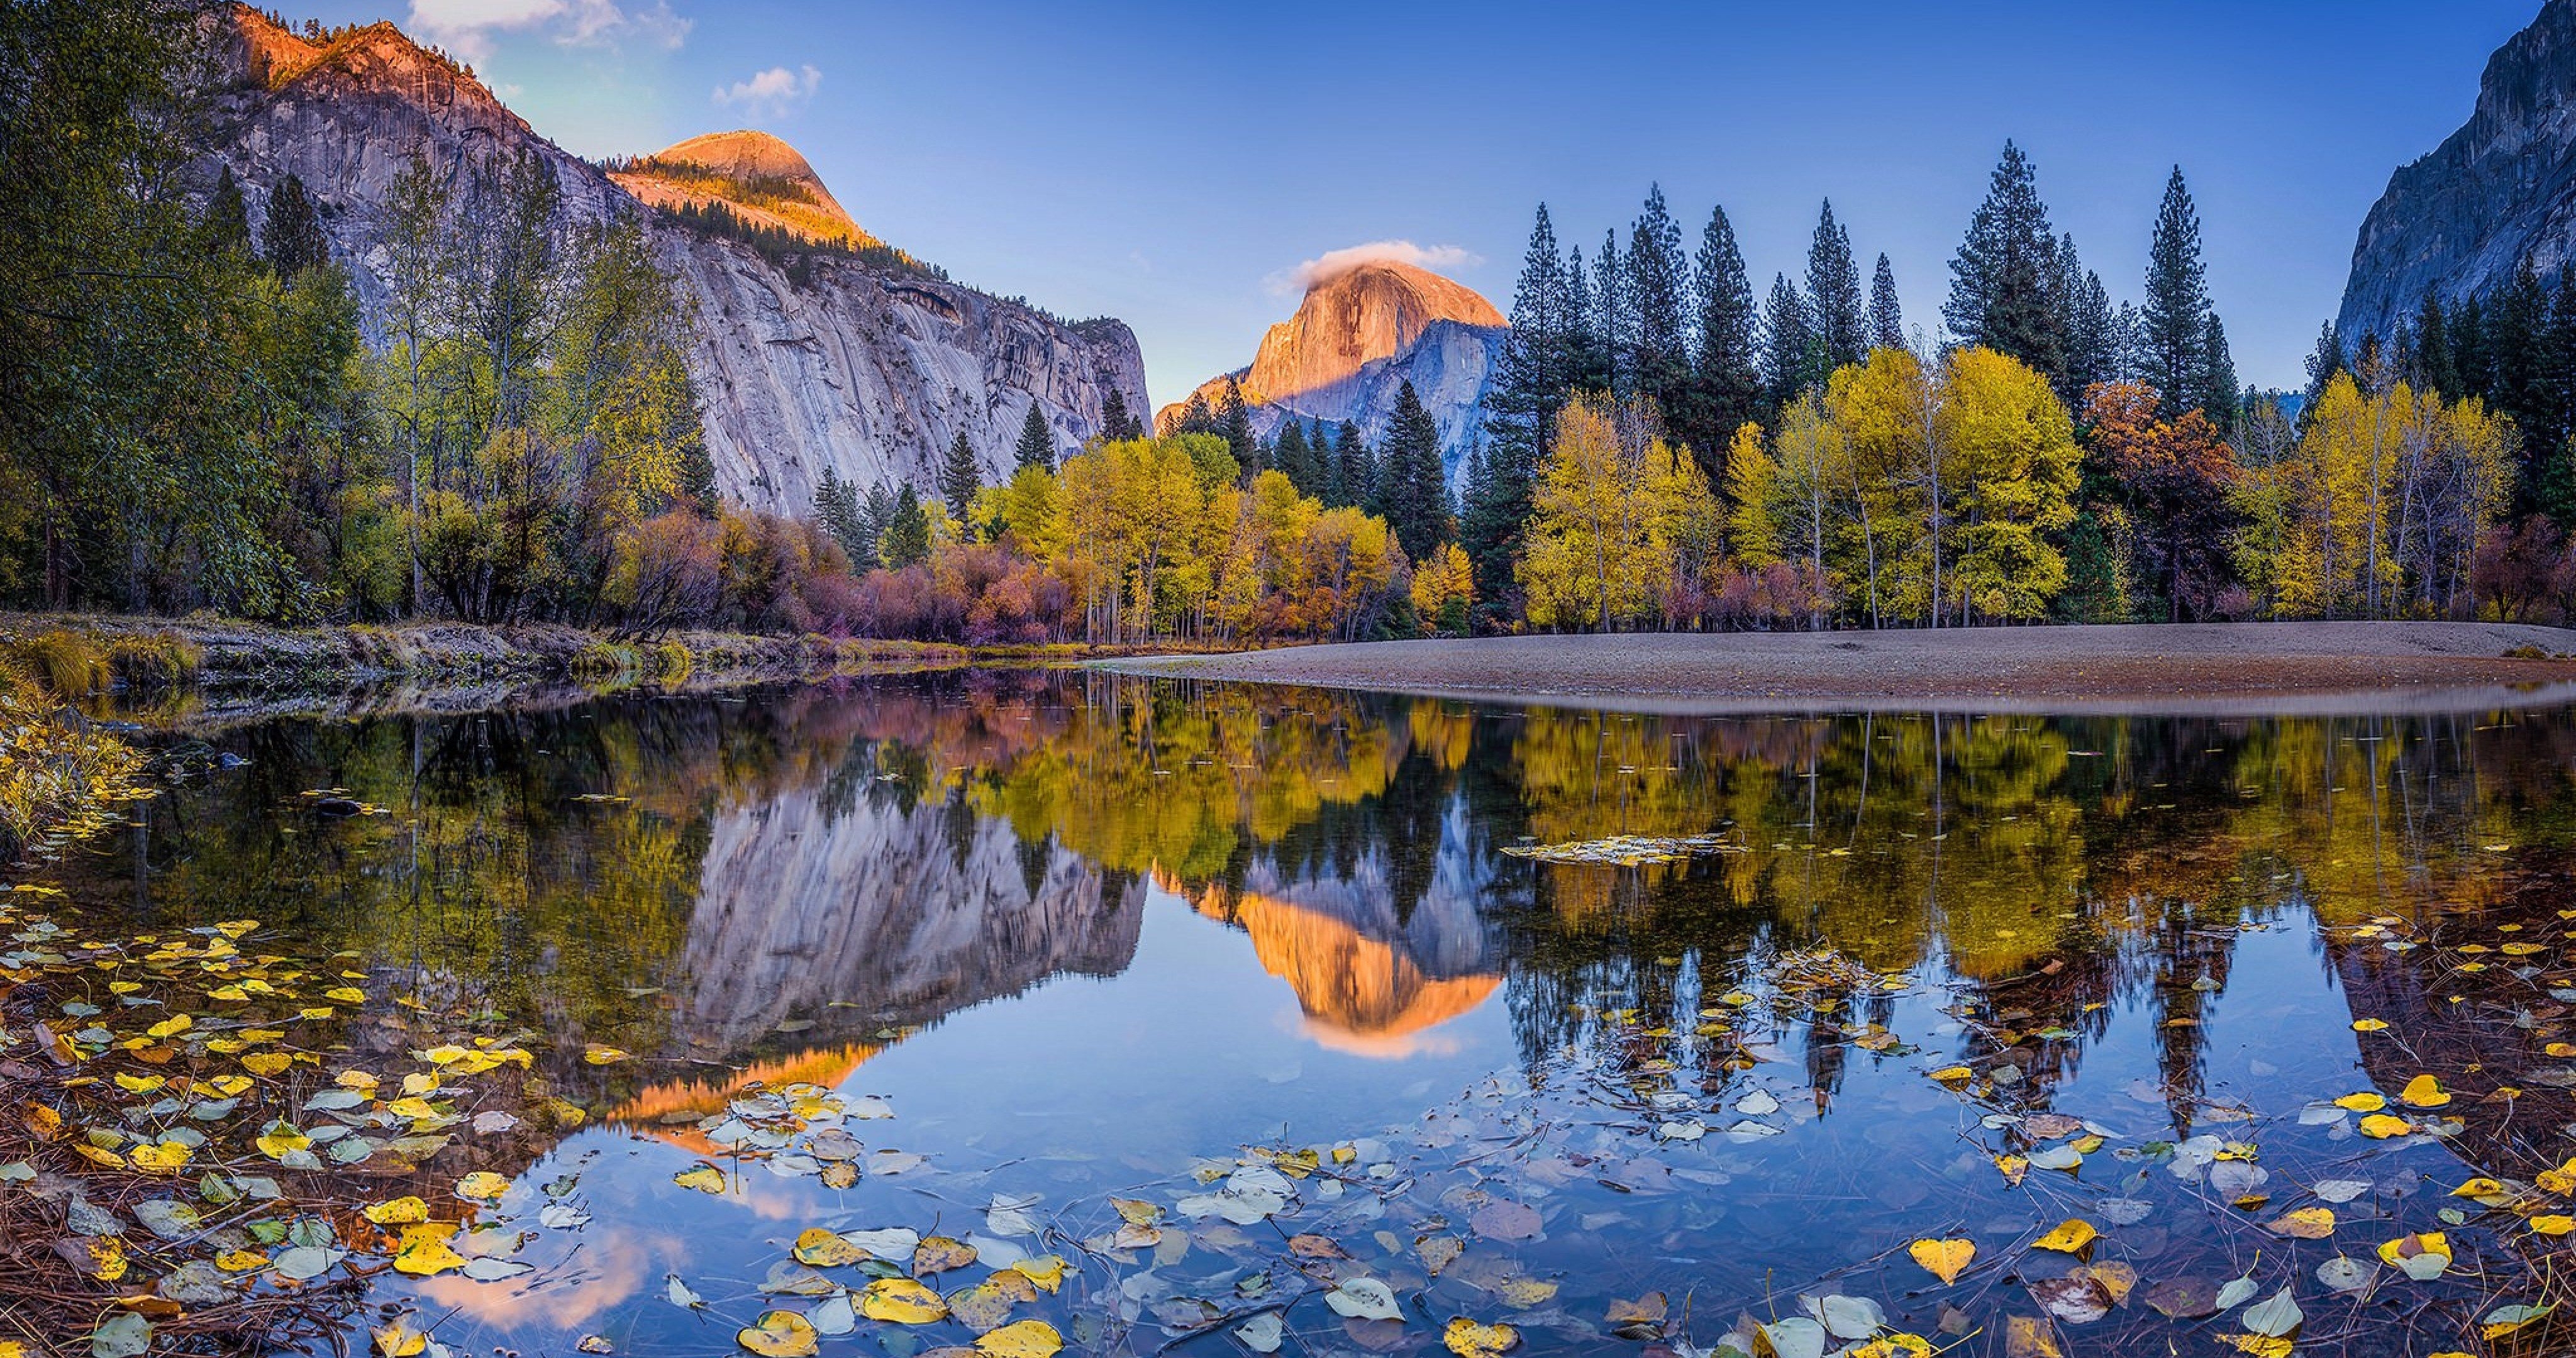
1087,921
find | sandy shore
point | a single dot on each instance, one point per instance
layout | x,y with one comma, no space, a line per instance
2196,668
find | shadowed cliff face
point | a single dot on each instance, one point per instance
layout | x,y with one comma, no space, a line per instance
1356,339
2499,190
862,367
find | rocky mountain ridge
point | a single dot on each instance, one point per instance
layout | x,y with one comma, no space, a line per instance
853,363
1357,337
2500,190
759,178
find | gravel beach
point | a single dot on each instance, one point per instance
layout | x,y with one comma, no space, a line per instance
2189,667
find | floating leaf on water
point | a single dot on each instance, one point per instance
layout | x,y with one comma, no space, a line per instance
2424,1092
1021,1339
2237,1292
2273,1318
1943,1259
778,1334
124,1335
1364,1299
2504,1320
680,1294
902,1301
836,1316
704,1178
1468,1339
2344,1274
1505,1221
2030,1337
1847,1317
2304,1223
1794,1337
303,1263
401,1211
1262,1333
2070,1237
821,1248
2184,1299
426,1255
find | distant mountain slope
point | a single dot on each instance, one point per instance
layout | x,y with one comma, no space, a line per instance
855,363
1357,337
2498,191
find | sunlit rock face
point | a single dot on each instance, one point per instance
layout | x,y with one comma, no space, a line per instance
2461,220
757,177
1356,339
898,917
864,367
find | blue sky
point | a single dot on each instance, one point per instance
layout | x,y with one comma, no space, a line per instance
1172,164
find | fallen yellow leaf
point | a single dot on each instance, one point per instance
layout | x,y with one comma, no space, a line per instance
1943,1259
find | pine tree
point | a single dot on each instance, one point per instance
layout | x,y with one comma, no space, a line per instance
1533,377
227,221
906,539
1234,424
1195,416
1726,371
1587,357
1786,339
1117,423
2433,369
2217,396
1413,493
1036,447
1358,478
1886,318
876,518
2003,279
960,477
2517,321
2469,350
1833,293
2090,326
836,511
291,238
1291,456
1657,282
2177,306
1614,320
2323,363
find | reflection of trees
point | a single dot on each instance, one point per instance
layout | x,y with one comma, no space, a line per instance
879,853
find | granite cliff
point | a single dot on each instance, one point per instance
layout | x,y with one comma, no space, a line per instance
865,363
1356,339
2500,190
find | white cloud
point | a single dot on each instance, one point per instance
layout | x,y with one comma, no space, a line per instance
468,27
772,91
1332,264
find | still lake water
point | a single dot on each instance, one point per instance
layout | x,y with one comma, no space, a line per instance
1078,934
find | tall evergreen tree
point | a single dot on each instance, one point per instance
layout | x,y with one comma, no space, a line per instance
1587,356
1234,424
2432,367
1833,293
1657,285
2177,305
2217,396
1413,495
1293,459
1614,319
1886,318
1358,477
1490,523
1533,376
1196,416
2323,362
1036,447
836,511
2517,323
291,237
1786,338
1726,370
2088,324
2469,350
959,477
227,220
905,540
1118,424
2003,280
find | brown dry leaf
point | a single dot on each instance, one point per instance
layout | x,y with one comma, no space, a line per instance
1639,1319
1312,1246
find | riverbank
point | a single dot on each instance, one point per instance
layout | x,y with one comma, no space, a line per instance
2210,668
